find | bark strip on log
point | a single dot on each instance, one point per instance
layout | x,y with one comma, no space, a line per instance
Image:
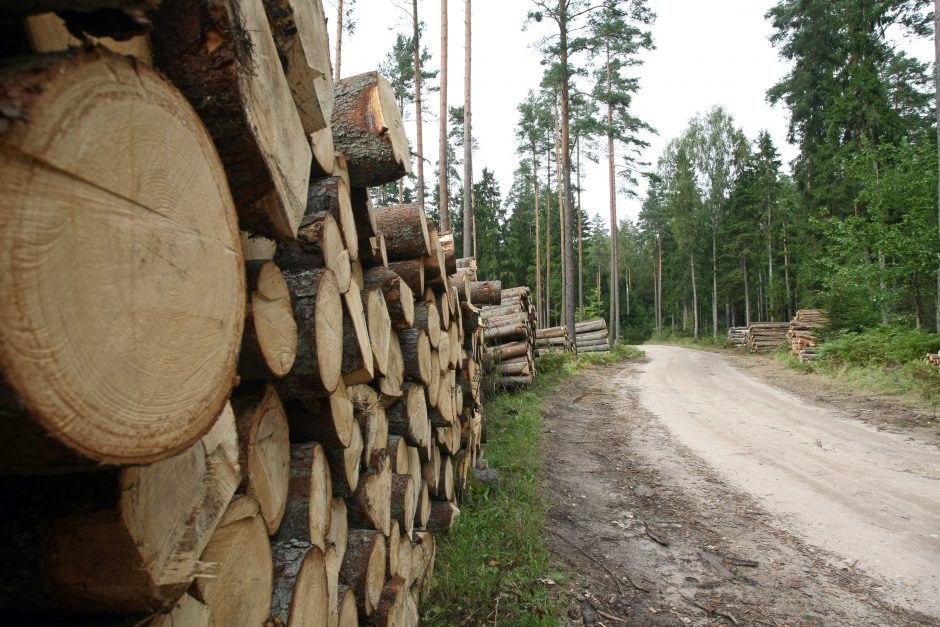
363,568
310,497
368,130
237,85
300,593
407,232
411,272
318,312
399,299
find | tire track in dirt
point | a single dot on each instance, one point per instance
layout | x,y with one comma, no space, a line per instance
617,481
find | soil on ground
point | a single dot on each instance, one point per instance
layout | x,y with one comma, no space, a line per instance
651,535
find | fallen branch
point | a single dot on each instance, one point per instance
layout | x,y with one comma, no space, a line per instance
654,537
587,555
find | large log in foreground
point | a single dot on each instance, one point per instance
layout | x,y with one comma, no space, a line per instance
236,83
123,284
367,128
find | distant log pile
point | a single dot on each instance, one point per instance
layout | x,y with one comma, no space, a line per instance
591,336
802,333
553,340
737,336
932,359
766,336
509,332
233,392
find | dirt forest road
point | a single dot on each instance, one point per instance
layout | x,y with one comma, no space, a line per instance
685,491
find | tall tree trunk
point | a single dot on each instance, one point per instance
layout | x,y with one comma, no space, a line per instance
747,294
786,273
694,299
580,238
882,266
626,284
659,295
612,182
548,240
419,124
561,208
443,189
339,39
714,287
467,142
936,31
538,246
770,270
566,169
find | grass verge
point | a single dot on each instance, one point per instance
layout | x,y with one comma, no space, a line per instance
490,565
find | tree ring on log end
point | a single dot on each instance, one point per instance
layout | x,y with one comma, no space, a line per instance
120,262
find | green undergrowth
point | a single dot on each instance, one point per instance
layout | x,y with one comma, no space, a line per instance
494,564
883,360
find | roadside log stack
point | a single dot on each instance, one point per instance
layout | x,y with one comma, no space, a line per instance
932,359
233,392
553,340
737,336
802,333
766,336
509,331
591,336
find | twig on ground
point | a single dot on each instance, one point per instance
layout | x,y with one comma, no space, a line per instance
654,537
709,611
590,557
611,616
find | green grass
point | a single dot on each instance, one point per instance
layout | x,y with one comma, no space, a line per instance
489,566
883,360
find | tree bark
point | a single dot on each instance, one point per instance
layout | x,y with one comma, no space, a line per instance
358,364
399,298
319,244
172,247
363,568
442,164
239,90
467,138
331,194
407,228
300,592
416,354
310,497
367,128
409,416
419,118
328,420
411,272
369,505
338,57
318,312
486,292
566,167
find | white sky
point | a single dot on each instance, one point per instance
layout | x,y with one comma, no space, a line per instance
708,52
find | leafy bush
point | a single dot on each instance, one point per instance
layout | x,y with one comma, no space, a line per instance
884,346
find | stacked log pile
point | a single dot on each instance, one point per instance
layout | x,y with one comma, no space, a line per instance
737,336
591,336
552,341
932,359
767,336
233,392
802,333
509,331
